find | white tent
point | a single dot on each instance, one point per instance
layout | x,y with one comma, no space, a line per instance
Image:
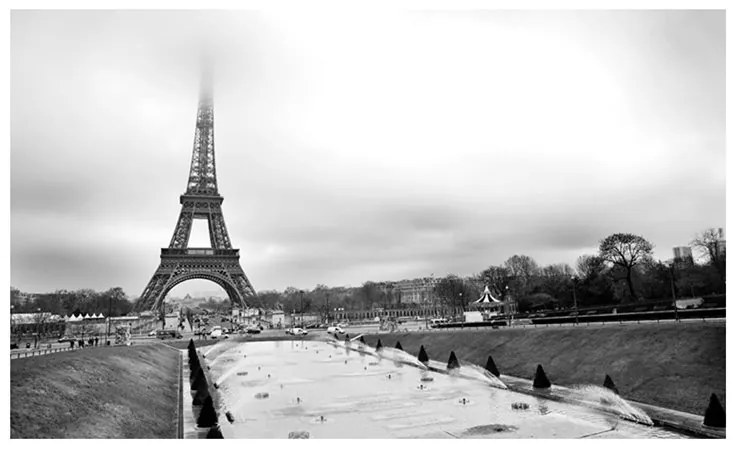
490,305
86,316
486,297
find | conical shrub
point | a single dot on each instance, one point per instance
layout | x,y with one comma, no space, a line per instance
715,415
207,416
362,341
194,373
398,346
608,383
422,357
191,347
194,362
453,363
214,433
200,396
379,345
540,378
491,366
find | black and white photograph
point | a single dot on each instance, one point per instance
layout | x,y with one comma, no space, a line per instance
367,223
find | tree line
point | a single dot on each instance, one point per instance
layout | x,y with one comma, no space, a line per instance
113,302
622,271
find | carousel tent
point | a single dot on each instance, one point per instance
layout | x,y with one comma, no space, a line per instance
488,303
486,298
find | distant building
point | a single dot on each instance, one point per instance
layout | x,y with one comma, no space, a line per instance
721,242
277,318
416,291
683,253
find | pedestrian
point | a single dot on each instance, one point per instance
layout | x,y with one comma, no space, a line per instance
91,342
97,341
71,343
81,343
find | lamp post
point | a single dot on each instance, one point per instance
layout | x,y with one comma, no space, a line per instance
575,298
38,328
301,307
109,307
672,285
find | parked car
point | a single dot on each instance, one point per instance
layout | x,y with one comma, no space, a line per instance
67,339
335,330
216,332
297,332
168,334
152,333
253,330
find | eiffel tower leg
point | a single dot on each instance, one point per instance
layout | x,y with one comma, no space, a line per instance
151,297
246,290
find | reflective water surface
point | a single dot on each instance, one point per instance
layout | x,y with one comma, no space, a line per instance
274,388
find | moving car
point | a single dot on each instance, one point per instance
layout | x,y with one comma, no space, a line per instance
168,333
296,332
335,330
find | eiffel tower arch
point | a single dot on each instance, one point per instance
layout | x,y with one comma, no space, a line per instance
201,200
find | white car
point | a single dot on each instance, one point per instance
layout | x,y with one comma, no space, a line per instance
335,330
152,333
297,331
216,332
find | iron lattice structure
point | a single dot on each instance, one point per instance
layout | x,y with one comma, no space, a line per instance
221,262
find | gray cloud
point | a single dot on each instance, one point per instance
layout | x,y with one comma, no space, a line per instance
448,142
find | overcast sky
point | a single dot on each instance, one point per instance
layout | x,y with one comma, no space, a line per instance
354,147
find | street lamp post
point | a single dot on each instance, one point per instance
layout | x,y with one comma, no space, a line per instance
38,328
301,307
575,298
672,284
109,307
508,307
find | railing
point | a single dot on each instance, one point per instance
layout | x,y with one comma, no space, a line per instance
195,251
618,318
40,351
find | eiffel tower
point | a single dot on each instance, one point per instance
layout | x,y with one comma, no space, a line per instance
221,262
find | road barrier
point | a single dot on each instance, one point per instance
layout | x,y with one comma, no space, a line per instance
617,318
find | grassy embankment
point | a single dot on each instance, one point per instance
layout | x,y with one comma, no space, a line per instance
106,392
675,366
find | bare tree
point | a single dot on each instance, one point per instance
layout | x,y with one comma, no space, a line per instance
497,278
713,248
40,319
522,270
626,250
